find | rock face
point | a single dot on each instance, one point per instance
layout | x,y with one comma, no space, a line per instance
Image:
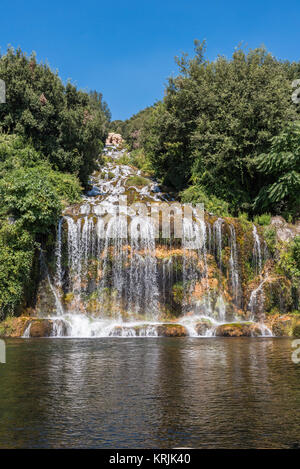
155,330
284,326
285,231
202,327
41,328
14,327
114,140
171,330
238,330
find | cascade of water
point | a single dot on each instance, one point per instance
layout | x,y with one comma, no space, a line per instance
217,228
257,251
233,263
112,277
58,254
143,288
256,302
209,241
120,254
58,306
194,266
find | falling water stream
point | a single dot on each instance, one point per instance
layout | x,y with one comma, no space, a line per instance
111,280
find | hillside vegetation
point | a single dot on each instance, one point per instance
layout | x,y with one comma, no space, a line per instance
51,135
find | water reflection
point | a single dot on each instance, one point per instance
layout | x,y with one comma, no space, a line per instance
154,392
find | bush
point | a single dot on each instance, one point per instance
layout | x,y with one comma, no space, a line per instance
196,194
263,220
137,181
216,117
270,238
281,170
243,216
66,125
32,193
296,251
16,259
289,261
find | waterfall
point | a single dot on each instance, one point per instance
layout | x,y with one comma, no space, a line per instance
127,268
58,254
217,227
115,276
257,251
233,263
256,302
257,298
143,289
194,235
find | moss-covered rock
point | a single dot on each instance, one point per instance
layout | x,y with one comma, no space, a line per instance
281,326
296,330
41,328
203,326
235,330
137,181
159,330
14,327
171,330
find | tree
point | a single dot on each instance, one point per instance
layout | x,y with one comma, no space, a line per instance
280,168
66,125
31,192
216,118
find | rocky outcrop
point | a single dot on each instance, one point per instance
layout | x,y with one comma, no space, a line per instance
41,328
285,231
202,327
171,330
284,325
155,330
238,330
114,139
14,327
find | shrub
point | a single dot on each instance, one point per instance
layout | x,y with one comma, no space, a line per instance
263,220
16,259
66,125
138,181
270,238
197,194
31,192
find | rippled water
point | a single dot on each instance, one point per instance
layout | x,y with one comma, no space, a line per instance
145,393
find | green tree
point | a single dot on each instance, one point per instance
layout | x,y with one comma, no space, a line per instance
280,168
32,196
216,118
31,192
66,125
16,260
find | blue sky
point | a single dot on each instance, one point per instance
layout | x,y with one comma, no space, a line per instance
126,49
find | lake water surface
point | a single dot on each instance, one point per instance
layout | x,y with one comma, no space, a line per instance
149,393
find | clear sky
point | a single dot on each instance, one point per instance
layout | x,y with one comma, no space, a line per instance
126,49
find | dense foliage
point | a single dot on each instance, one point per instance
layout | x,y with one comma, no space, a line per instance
281,167
32,195
16,261
66,125
131,129
51,135
215,120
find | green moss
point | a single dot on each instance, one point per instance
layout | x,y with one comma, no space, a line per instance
137,181
270,238
296,330
237,324
263,220
68,297
178,292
